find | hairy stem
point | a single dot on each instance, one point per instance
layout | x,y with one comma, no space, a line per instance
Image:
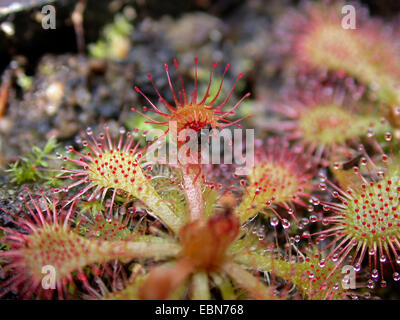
68,252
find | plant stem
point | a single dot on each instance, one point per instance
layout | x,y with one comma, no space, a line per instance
193,191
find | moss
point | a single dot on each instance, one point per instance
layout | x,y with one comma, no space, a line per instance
29,168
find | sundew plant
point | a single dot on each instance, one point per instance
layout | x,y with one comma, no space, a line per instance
203,184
